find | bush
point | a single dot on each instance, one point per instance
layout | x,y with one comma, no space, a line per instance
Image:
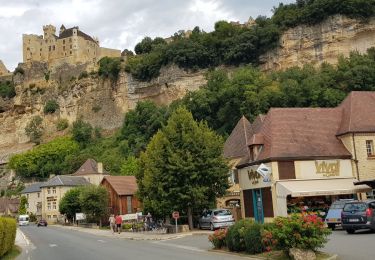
82,132
253,238
83,74
50,107
235,235
299,231
34,129
7,234
218,238
7,89
62,124
19,70
109,68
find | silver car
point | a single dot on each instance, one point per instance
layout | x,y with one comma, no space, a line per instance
216,218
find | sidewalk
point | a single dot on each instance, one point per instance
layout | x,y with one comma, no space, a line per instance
136,235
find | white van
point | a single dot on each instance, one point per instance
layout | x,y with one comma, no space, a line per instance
23,220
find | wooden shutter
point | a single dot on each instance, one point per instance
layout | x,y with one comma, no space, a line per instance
286,170
248,203
267,202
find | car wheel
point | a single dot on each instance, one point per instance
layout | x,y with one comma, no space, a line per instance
332,226
212,228
350,231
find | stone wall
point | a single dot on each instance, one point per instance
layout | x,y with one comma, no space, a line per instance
323,42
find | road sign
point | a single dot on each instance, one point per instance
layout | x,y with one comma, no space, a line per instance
80,216
176,215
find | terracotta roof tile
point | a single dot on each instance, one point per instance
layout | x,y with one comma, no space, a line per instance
123,185
89,167
236,144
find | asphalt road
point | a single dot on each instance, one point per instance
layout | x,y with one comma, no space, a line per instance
60,244
360,245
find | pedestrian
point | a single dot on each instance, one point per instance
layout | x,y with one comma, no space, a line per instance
118,223
112,223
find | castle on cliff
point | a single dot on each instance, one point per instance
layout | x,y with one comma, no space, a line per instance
71,46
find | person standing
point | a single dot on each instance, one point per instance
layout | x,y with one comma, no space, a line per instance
112,223
118,223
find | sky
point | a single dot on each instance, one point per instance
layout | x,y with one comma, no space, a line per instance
118,24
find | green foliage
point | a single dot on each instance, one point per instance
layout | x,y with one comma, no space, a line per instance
47,75
82,132
62,124
44,159
94,200
140,125
130,167
50,107
147,45
182,167
109,68
96,108
34,129
296,231
22,207
8,229
70,203
145,67
7,89
315,11
32,217
218,238
253,238
235,235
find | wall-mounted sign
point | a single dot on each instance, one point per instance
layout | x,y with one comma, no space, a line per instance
328,168
253,176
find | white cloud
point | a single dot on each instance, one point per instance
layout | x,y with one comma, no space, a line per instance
118,23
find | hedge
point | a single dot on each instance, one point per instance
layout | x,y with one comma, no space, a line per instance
7,234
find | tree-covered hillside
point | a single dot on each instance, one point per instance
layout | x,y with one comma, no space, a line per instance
231,44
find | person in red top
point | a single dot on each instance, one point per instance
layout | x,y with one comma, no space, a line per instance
118,223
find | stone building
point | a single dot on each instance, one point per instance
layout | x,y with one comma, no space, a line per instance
69,46
34,199
314,156
3,70
92,171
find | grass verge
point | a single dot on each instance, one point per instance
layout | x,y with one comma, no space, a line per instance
12,254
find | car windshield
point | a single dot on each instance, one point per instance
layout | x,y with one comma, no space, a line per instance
23,218
355,207
338,205
223,212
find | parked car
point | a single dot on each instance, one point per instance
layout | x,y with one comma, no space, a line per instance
216,218
358,215
23,220
333,217
42,222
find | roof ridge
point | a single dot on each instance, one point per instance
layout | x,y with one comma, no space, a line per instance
350,112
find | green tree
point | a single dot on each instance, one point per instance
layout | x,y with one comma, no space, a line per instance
182,168
109,68
70,203
94,202
130,167
34,129
50,107
7,89
82,132
23,205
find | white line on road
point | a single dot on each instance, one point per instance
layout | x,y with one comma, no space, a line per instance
102,241
24,237
52,245
180,246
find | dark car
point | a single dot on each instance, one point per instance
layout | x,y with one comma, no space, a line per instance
333,217
42,222
358,215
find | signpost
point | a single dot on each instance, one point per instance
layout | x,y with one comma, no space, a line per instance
176,215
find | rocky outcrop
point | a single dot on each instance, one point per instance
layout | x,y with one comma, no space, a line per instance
100,102
323,42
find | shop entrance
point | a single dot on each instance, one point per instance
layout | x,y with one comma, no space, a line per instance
258,206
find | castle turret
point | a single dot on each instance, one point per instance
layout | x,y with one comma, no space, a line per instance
49,31
62,29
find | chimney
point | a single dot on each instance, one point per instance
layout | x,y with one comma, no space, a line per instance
100,167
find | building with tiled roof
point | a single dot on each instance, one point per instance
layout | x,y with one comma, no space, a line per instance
307,155
53,190
92,171
33,194
70,46
122,194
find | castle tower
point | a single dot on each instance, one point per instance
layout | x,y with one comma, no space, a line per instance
62,29
49,31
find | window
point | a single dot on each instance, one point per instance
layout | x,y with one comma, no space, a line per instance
53,47
370,148
129,203
49,216
70,39
63,48
49,191
54,205
38,194
63,41
49,205
54,190
49,48
54,216
27,196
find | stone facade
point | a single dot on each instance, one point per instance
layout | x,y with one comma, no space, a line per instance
3,70
51,197
324,42
71,46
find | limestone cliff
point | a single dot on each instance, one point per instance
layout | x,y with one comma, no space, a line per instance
100,102
320,43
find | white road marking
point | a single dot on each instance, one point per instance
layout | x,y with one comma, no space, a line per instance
24,237
180,246
52,245
102,241
27,251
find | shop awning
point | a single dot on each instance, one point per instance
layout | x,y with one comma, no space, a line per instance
319,187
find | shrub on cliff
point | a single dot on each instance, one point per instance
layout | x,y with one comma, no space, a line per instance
109,68
34,129
7,89
82,132
50,107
